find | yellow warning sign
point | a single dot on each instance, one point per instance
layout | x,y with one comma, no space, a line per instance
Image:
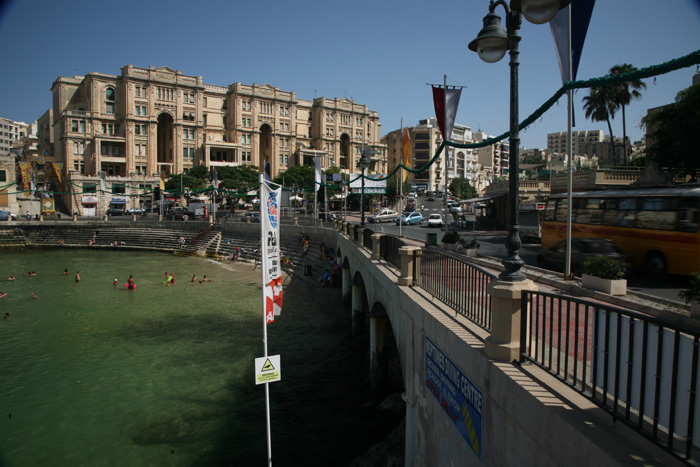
267,369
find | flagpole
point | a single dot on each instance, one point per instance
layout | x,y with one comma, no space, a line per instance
447,152
569,183
264,317
403,157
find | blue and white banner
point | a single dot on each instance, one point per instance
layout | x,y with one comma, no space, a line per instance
461,399
270,250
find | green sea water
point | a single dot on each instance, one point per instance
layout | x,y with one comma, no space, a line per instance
97,375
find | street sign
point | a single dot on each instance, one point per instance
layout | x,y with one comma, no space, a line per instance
370,191
268,369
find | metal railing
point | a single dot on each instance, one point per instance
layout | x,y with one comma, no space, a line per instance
389,250
367,238
461,285
641,369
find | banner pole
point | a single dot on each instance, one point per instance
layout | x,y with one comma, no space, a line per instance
403,156
264,316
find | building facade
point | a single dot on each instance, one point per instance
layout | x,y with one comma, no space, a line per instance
425,138
580,140
11,135
494,159
123,131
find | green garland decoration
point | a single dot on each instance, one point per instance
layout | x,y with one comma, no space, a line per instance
686,61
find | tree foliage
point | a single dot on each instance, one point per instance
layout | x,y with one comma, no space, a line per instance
240,178
195,178
623,94
672,131
461,187
598,106
299,176
393,185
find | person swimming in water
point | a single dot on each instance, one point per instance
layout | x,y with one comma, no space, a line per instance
3,294
116,281
130,283
77,276
65,272
194,277
34,295
11,278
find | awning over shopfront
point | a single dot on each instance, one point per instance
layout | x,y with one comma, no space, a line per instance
484,198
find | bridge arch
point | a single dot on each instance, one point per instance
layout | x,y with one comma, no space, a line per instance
386,376
359,304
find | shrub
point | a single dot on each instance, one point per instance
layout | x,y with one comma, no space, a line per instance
605,267
451,237
693,293
471,244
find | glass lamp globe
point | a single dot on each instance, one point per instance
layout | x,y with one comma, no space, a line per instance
539,11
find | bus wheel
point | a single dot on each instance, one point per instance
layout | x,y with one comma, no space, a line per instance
655,265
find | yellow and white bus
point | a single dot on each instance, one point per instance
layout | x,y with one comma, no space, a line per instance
658,227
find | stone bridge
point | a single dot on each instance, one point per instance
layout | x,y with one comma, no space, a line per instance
509,414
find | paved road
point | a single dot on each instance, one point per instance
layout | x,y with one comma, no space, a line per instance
493,244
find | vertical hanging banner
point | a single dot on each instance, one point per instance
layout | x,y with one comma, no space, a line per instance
270,251
449,114
406,149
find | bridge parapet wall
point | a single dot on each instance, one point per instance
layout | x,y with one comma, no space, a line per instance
526,416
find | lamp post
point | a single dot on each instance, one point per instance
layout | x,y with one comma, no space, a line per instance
491,44
344,211
362,164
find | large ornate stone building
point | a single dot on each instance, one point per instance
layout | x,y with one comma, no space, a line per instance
121,132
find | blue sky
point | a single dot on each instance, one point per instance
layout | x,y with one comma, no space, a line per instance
380,53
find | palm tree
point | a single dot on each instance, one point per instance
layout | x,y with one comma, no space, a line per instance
623,94
599,107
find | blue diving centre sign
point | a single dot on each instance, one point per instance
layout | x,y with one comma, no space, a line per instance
460,398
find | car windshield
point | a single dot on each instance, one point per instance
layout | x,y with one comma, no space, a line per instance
435,216
601,246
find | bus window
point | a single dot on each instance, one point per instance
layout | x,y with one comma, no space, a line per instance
628,212
688,215
549,210
611,211
560,213
590,212
657,213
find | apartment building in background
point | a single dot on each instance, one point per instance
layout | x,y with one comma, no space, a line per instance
122,131
11,135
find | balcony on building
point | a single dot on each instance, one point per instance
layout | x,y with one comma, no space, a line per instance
222,154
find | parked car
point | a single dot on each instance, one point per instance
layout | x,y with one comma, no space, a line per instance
141,211
435,220
253,216
4,215
409,218
177,214
455,209
431,198
554,258
384,215
115,212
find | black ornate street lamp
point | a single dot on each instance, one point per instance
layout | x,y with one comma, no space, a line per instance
362,164
491,44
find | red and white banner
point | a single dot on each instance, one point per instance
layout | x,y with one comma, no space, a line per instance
446,108
270,250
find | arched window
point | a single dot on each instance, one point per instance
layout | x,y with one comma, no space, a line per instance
109,98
